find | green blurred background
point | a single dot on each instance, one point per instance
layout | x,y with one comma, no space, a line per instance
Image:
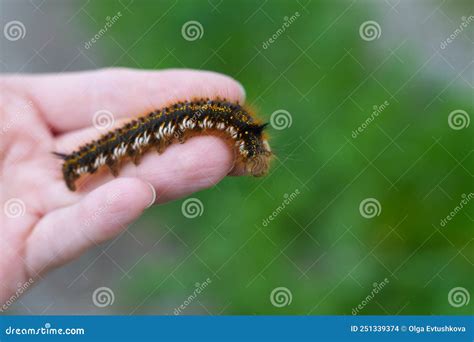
328,78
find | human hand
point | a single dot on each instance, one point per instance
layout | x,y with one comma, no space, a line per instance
43,224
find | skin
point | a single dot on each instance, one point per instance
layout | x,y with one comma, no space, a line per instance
45,113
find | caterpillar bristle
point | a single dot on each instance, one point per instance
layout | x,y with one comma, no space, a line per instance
60,155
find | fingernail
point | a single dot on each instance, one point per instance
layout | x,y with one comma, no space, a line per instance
242,89
153,191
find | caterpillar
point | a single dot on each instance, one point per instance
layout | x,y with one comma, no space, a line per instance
175,123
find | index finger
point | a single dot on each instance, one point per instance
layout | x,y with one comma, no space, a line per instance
69,101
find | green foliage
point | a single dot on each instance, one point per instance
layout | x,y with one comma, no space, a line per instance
319,247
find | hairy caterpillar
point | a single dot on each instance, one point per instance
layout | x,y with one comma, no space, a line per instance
174,123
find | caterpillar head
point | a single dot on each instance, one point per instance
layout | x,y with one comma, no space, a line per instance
260,153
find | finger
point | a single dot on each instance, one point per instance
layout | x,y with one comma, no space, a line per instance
70,141
105,212
70,100
182,169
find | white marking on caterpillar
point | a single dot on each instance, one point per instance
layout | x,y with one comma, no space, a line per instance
207,123
99,161
160,134
120,151
187,123
82,169
137,143
232,132
140,141
241,145
146,138
169,129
